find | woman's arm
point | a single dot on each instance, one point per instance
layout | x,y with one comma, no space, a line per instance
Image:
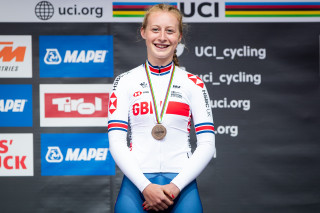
202,117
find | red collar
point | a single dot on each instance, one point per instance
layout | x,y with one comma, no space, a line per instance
162,70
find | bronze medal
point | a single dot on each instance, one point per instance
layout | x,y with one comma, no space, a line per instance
159,132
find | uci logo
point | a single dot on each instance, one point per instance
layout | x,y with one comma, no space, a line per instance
203,9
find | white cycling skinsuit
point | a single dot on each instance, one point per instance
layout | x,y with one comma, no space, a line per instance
131,104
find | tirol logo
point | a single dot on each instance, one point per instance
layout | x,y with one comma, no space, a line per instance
54,154
76,105
76,56
69,154
44,10
16,155
15,57
16,105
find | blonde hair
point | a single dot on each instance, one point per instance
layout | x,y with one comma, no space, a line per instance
165,8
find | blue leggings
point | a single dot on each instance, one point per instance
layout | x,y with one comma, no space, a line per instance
130,199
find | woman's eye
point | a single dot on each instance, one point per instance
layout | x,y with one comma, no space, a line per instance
155,30
170,31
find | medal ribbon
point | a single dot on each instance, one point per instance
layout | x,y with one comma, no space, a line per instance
164,105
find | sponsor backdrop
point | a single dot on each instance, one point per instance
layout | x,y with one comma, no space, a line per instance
258,59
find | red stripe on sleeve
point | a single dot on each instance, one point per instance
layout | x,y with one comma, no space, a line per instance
204,128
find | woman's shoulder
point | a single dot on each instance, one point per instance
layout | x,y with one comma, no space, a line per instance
129,74
189,78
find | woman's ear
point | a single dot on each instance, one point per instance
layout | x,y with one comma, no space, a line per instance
180,38
142,32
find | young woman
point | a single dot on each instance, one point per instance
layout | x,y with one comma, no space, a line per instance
157,100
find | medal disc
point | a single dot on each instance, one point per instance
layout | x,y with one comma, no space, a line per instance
159,131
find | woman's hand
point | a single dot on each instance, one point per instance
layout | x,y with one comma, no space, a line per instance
171,190
157,197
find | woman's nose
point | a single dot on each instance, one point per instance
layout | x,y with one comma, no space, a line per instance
162,36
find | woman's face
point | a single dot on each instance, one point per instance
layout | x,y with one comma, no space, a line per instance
162,37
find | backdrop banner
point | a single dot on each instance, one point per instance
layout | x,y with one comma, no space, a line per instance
258,60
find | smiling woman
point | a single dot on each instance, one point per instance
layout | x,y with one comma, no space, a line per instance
162,32
157,100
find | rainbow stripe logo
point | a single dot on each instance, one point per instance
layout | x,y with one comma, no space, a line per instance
272,9
133,9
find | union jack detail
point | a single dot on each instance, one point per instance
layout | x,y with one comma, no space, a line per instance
196,80
117,125
204,128
163,70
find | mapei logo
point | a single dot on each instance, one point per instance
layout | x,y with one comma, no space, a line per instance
54,155
53,56
76,105
15,57
70,153
76,56
13,105
16,155
16,105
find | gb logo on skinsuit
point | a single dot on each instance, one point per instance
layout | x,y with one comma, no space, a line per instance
54,154
52,57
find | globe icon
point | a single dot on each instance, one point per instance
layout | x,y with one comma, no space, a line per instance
44,10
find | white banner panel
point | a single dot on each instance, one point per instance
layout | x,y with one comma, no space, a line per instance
15,56
16,154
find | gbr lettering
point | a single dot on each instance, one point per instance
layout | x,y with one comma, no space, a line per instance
142,108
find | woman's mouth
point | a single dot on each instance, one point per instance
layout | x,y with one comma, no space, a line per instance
161,46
